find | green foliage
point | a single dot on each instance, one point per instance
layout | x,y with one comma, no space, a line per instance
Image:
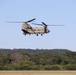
37,67
26,65
53,67
9,67
56,67
37,60
57,59
70,67
1,68
42,58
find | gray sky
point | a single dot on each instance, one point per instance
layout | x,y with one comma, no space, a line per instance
62,12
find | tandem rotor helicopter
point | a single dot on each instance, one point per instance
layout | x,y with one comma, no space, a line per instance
27,29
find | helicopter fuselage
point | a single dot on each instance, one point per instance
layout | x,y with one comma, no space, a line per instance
27,29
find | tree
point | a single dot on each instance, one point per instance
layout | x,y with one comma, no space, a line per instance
26,65
70,67
57,58
53,67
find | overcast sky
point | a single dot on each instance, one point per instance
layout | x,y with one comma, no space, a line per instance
60,12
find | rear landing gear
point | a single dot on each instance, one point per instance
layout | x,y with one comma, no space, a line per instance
41,34
36,34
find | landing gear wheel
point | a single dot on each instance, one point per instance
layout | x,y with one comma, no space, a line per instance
41,34
36,34
24,33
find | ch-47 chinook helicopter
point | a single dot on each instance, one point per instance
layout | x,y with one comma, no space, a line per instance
27,29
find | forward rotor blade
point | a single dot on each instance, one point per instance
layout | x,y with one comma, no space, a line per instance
13,22
31,20
21,22
37,24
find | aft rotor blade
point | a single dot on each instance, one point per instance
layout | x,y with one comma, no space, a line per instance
51,25
55,25
47,25
44,23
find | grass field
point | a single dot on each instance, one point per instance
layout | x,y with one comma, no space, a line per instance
37,72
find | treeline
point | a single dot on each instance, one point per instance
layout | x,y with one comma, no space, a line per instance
33,50
27,59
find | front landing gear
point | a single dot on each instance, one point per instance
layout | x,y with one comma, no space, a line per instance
41,34
24,33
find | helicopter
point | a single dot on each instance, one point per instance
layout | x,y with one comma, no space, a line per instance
27,29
